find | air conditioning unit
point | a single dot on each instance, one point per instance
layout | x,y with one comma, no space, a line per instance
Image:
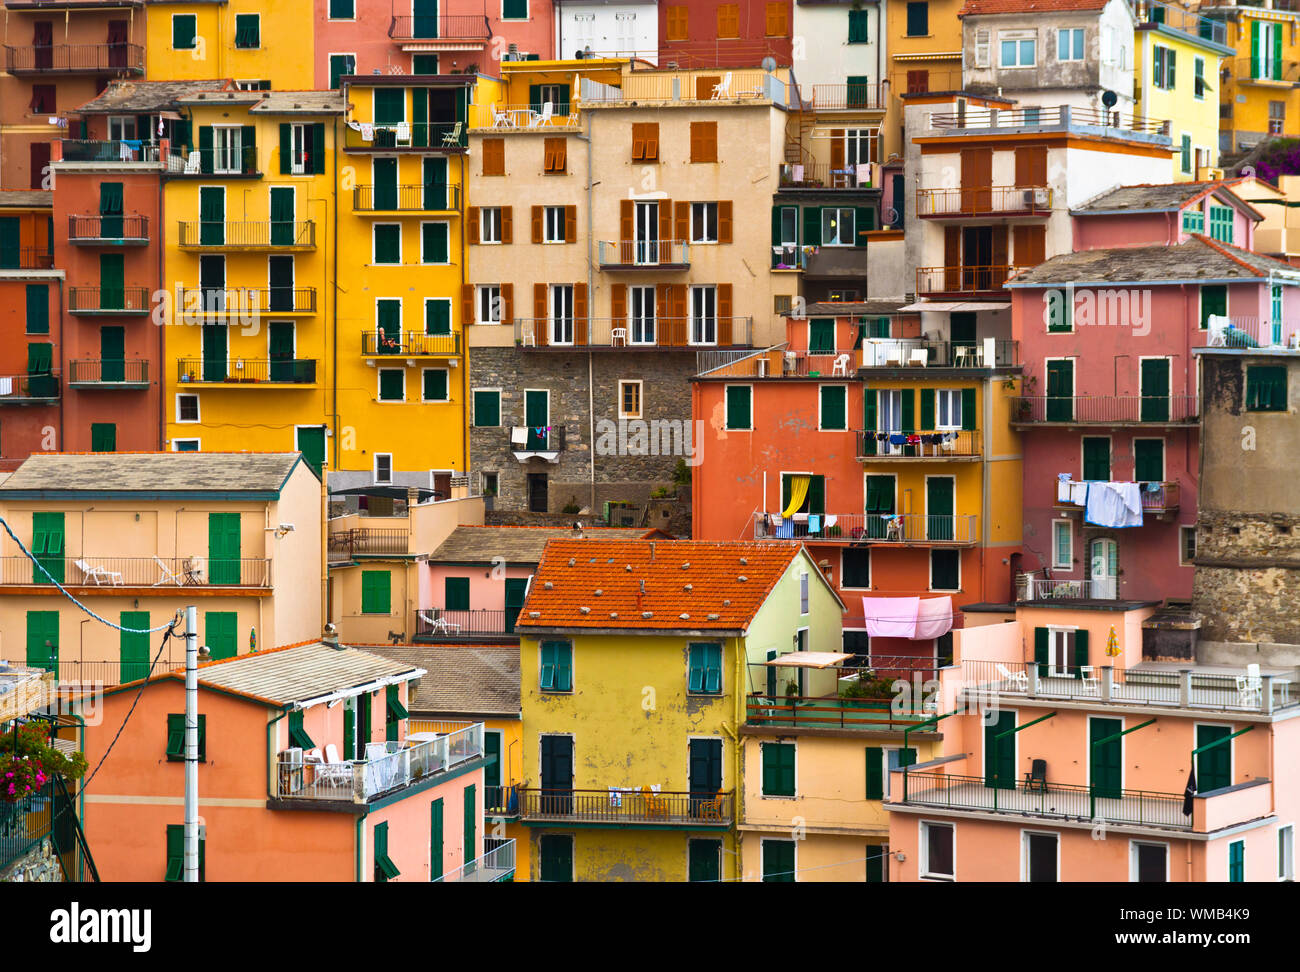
1037,198
291,770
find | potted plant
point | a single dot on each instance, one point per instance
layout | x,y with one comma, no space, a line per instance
28,761
792,689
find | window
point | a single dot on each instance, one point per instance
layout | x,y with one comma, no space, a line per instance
43,99
704,669
918,20
1276,116
803,594
435,385
494,157
385,869
553,224
187,408
1286,853
704,141
220,628
777,23
1149,460
435,243
392,384
937,851
514,9
1220,223
121,126
1237,861
387,243
340,66
489,304
184,31
1069,44
838,227
437,316
833,408
1193,221
38,308
779,860
629,399
948,411
858,26
176,737
487,408
1096,458
248,30
185,445
343,10
1150,862
556,853
704,222
645,141
821,335
1039,853
855,568
677,19
103,437
1265,51
302,149
455,594
562,315
383,468
557,666
945,570
228,149
376,592
1185,156
1017,49
739,407
778,769
1186,545
704,860
728,21
490,225
1198,78
555,159
176,852
1162,76
1266,388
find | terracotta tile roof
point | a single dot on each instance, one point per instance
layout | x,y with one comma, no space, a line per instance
523,544
1199,258
688,584
973,8
460,680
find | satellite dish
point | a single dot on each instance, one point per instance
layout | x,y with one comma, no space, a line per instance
1109,98
769,64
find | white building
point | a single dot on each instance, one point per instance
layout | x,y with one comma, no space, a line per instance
607,28
837,41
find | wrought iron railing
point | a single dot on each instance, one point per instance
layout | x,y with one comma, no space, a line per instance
627,805
1104,409
247,371
410,343
91,229
75,59
99,371
647,254
230,300
92,571
820,175
988,200
633,332
109,300
440,27
434,198
813,712
964,279
365,541
24,388
948,444
439,622
900,528
26,258
247,233
430,135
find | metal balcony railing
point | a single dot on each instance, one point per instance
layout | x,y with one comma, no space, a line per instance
525,439
633,332
247,371
899,528
948,444
366,541
109,300
29,388
496,863
812,712
523,118
75,59
462,27
109,372
843,97
441,623
410,343
1157,497
113,229
451,135
986,201
26,258
1104,409
434,198
74,672
644,254
689,87
963,279
819,175
247,234
639,805
918,352
109,150
1064,117
109,572
231,300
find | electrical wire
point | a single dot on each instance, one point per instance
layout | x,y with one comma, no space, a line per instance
112,624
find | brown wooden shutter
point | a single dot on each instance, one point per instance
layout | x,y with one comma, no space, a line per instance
1030,245
508,302
651,141
695,141
837,148
494,156
665,220
507,224
570,224
704,85
638,142
539,313
537,224
724,221
951,257
626,209
999,255
724,314
664,323
1031,166
580,314
976,180
683,221
466,304
473,224
618,303
678,295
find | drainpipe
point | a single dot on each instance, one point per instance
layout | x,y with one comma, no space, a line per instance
334,305
63,345
162,328
738,774
270,749
591,300
464,325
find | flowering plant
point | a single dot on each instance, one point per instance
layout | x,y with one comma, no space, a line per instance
20,777
28,760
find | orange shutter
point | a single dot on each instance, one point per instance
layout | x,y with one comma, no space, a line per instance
683,221
540,329
724,221
704,141
837,148
570,224
951,257
664,324
618,303
665,220
473,224
467,304
537,224
638,142
704,85
724,314
679,312
677,22
777,24
507,224
494,156
626,208
508,302
580,314
651,141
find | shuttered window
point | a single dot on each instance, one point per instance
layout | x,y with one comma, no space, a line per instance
487,409
435,385
704,669
455,591
248,30
1220,221
677,22
184,31
645,141
38,309
704,141
739,400
392,385
555,156
435,243
1266,388
834,407
385,869
858,26
297,734
176,854
494,156
778,769
376,592
557,666
777,23
388,243
176,737
728,21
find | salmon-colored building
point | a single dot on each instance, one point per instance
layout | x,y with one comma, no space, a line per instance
307,773
706,33
1074,754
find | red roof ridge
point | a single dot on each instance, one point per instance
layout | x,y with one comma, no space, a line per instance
1215,245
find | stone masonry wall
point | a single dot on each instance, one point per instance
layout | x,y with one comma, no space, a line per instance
38,865
1247,571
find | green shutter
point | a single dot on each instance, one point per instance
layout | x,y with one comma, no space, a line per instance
297,734
778,769
927,409
877,861
864,221
738,407
385,869
1080,651
456,594
1148,460
220,632
1096,458
183,31
778,861
38,309
1276,65
1266,388
812,226
42,627
205,149
286,148
487,409
1237,861
875,773
392,385
817,495
1041,636
437,316
435,385
909,411
349,730
376,592
469,814
1214,303
176,737
776,226
176,854
968,413
435,243
103,437
224,555
133,649
834,406
317,160
435,838
364,729
394,712
388,244
47,547
858,26
821,335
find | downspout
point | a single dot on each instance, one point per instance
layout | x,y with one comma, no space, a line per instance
464,326
81,791
360,844
162,328
738,647
591,300
334,304
270,748
986,475
63,345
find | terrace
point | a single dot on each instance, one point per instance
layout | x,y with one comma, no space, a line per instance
496,863
894,529
432,198
410,344
633,332
109,374
964,280
503,118
248,235
437,624
984,202
246,371
26,258
926,353
821,176
36,388
345,545
440,31
450,136
1060,118
627,805
687,88
75,674
135,575
841,97
108,230
106,59
1029,411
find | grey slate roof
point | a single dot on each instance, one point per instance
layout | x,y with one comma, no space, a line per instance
153,472
1159,198
299,103
521,545
460,679
301,672
853,308
145,96
26,198
1196,259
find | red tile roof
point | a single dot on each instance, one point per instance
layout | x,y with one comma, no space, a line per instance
688,584
977,7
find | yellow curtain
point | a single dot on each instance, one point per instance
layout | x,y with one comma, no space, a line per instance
798,493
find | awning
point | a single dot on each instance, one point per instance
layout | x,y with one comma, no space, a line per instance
965,305
808,659
907,617
387,492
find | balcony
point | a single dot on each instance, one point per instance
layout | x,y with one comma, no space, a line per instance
105,59
1109,410
843,97
435,198
645,255
819,176
1157,497
109,375
892,529
1180,19
75,674
788,256
388,768
630,805
946,446
1248,332
497,863
239,162
108,230
117,152
26,258
920,353
505,118
109,300
160,574
347,545
537,443
673,88
247,371
1261,71
1188,688
808,712
437,623
633,333
984,202
239,301
248,235
417,136
440,31
964,281
410,344
1063,118
29,389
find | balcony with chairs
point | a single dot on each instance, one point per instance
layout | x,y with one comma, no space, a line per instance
450,136
433,198
120,152
672,88
925,353
1030,411
644,255
409,344
247,235
67,59
841,97
1053,118
262,372
984,202
345,545
889,529
108,230
108,374
822,176
505,118
637,806
440,624
136,575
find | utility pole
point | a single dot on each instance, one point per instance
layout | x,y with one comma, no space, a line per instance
191,744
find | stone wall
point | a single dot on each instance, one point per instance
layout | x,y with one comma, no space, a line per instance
627,468
1247,569
38,865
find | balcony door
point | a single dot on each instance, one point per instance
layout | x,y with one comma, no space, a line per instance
118,32
280,350
646,229
434,172
642,314
212,282
1000,754
43,44
561,314
557,775
1105,762
1060,390
1041,852
212,215
516,588
215,352
940,507
984,257
1105,569
112,354
425,18
283,226
705,756
704,315
385,176
1155,390
280,278
976,181
537,416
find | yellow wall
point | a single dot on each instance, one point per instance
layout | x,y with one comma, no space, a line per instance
284,56
944,38
1187,114
1248,96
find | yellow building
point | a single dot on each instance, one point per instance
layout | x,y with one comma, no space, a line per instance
249,260
925,54
1177,55
400,367
1257,90
637,660
260,45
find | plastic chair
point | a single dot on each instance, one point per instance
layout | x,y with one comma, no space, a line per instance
841,366
721,89
1037,775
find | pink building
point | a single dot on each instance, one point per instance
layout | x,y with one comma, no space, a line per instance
1109,394
428,36
1071,755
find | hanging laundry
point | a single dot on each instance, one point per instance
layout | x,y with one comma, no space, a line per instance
1079,494
897,438
913,440
1113,505
814,523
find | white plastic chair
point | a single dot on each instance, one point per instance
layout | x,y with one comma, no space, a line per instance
1019,679
721,89
539,120
841,366
453,136
894,355
168,575
527,337
193,164
334,771
98,574
616,335
500,119
919,357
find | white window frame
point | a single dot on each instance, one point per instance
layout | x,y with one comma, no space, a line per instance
374,238
553,224
704,326
839,212
233,149
379,387
198,416
1133,857
1063,638
489,216
805,594
640,403
439,401
923,850
704,228
1066,562
946,402
434,222
638,318
1182,547
233,45
492,294
118,126
1286,853
299,134
451,311
1019,38
176,443
329,57
473,394
341,20
1024,851
560,315
374,469
981,47
1071,31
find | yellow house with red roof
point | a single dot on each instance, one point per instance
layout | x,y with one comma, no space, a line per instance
638,661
